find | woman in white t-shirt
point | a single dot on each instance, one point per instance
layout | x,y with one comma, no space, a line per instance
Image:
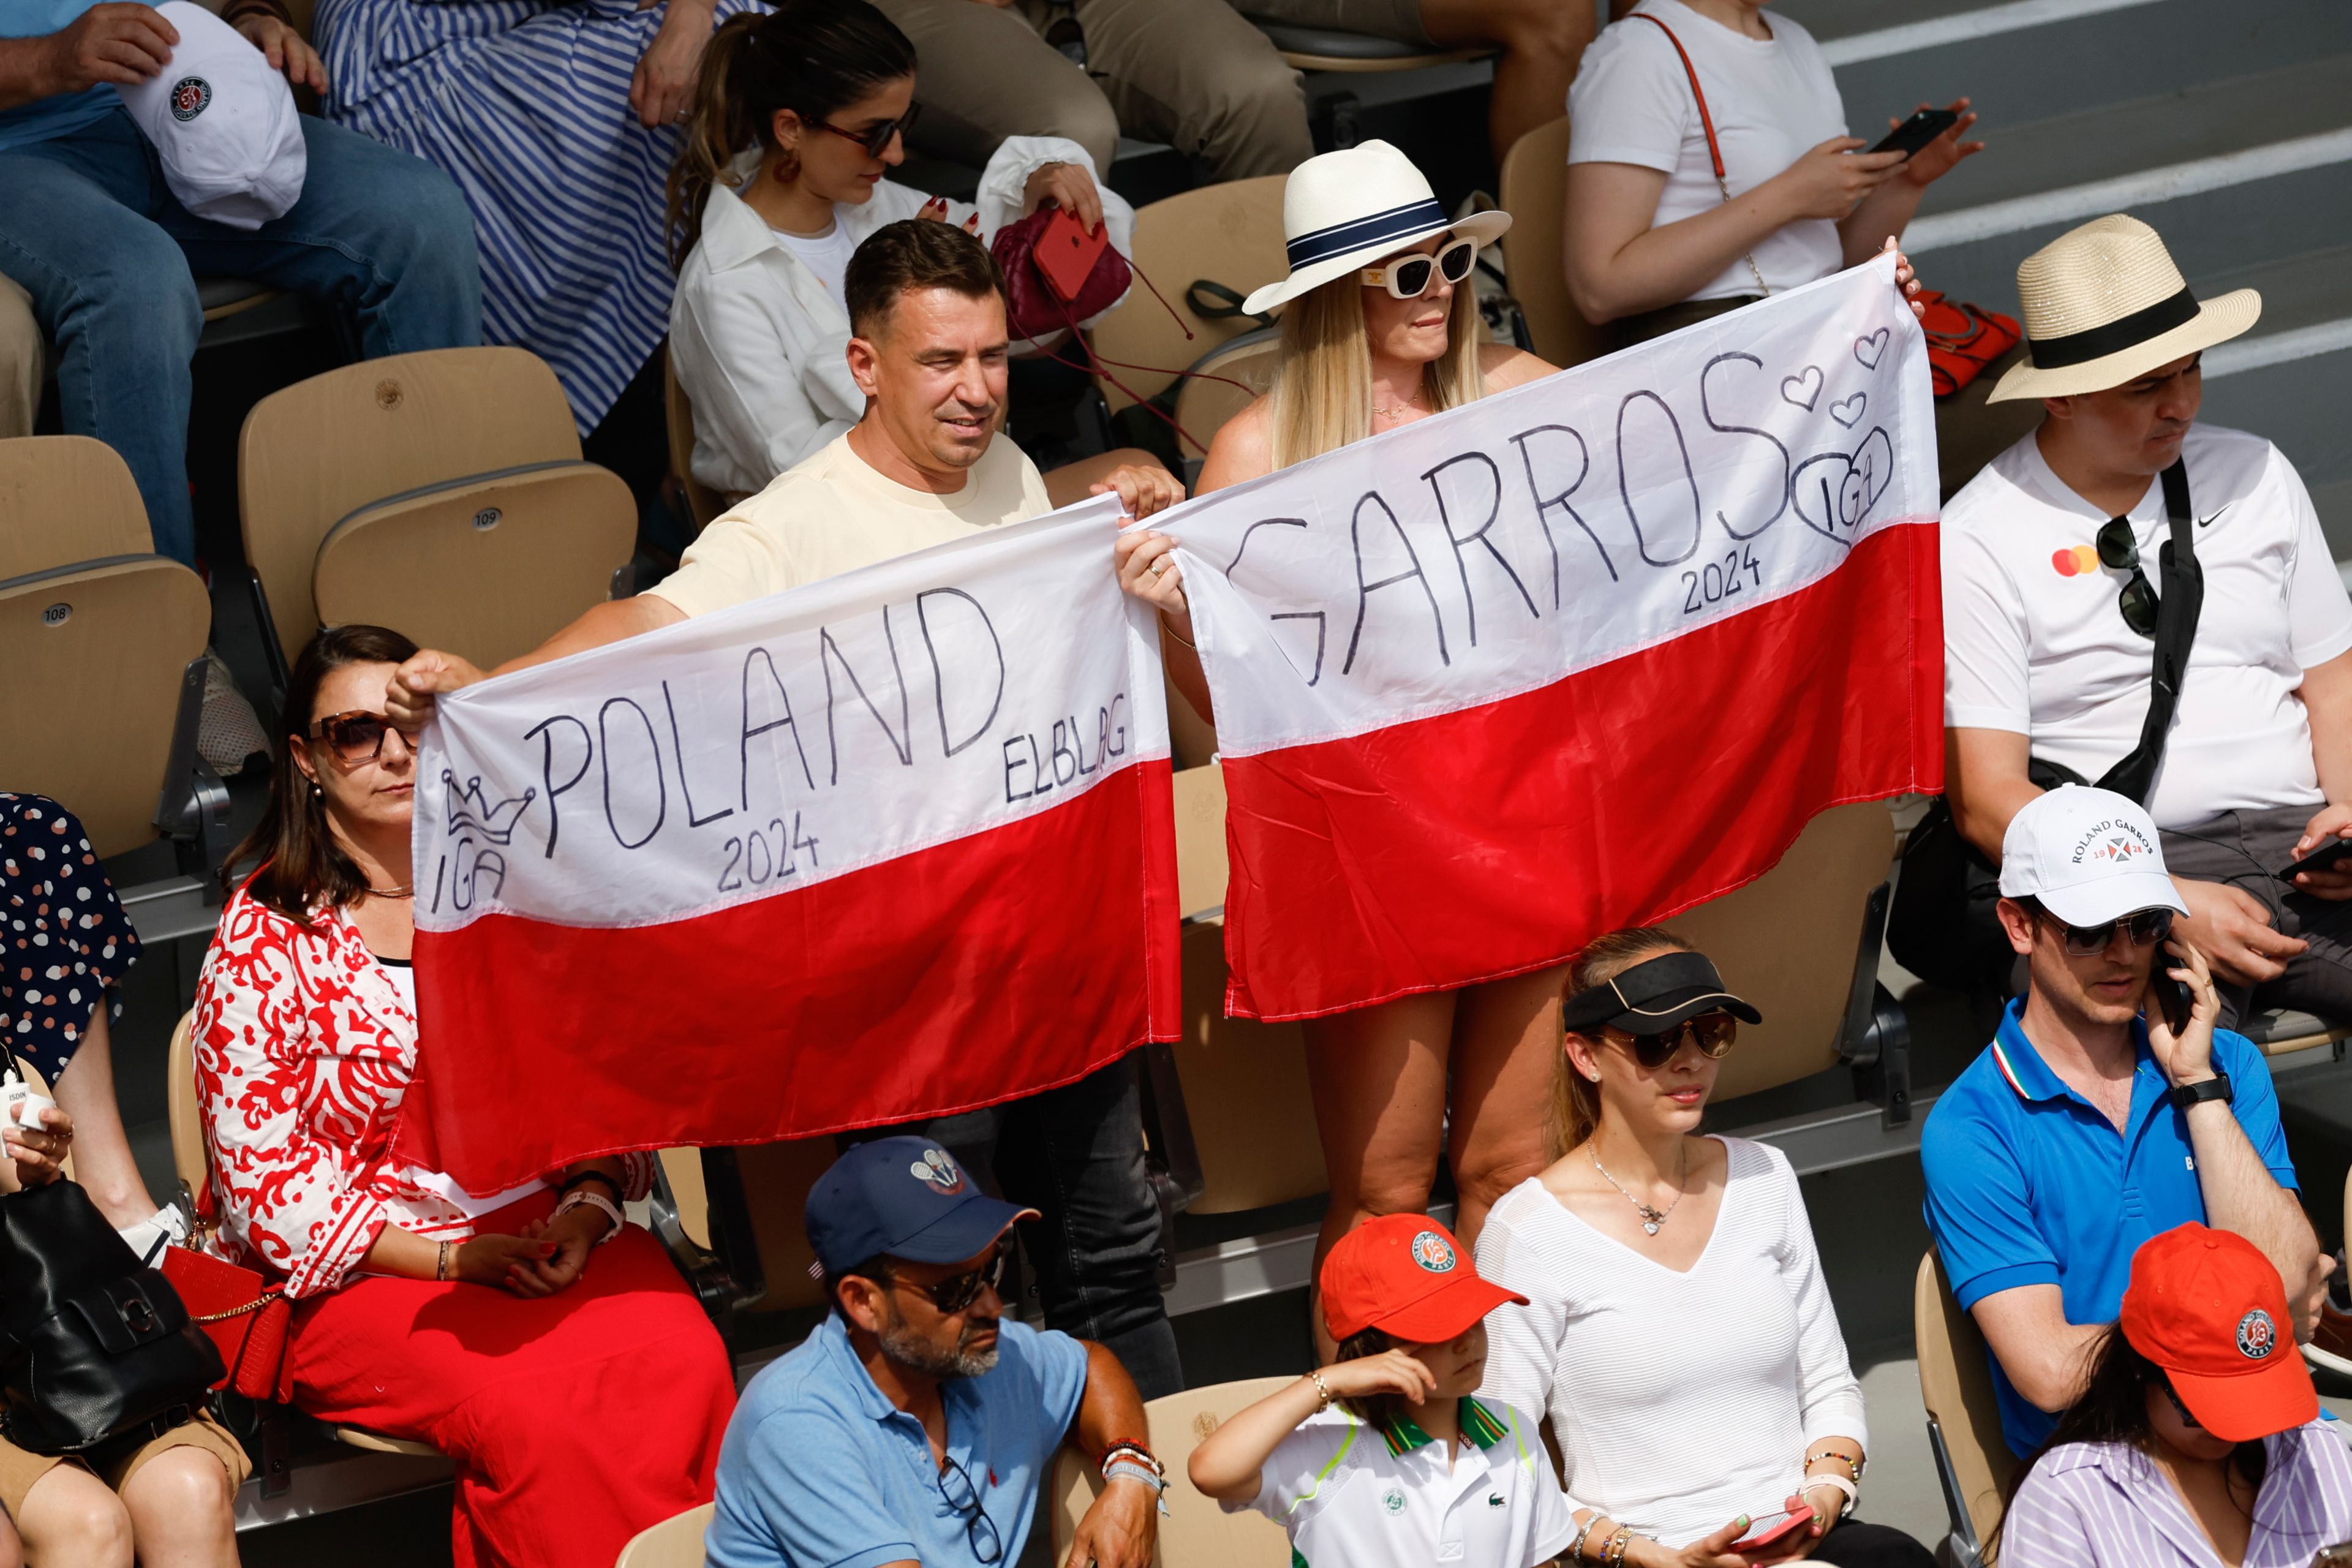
798,118
1678,1329
1650,230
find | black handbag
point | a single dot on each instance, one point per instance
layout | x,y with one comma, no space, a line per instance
1943,927
95,1344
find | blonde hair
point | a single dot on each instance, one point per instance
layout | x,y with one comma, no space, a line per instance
1321,399
1576,1100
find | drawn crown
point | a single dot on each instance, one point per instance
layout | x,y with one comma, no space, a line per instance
470,809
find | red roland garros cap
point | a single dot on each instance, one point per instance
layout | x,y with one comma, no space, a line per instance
2208,1308
1405,1275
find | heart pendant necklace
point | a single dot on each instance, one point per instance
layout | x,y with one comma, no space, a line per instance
1652,1217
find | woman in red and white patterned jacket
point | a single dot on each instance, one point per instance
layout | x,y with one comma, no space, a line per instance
503,1329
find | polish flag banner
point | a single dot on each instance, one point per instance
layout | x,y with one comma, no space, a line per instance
1574,657
897,844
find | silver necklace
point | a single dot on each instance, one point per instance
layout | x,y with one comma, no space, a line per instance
1394,410
1651,1218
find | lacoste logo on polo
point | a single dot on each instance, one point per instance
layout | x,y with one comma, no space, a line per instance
1434,1252
190,97
941,1172
2257,1335
1493,1499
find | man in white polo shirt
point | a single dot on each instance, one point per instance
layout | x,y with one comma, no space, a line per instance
926,465
2052,583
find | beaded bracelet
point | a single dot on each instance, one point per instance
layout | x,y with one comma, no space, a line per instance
1613,1554
1852,1462
1142,1455
1322,1391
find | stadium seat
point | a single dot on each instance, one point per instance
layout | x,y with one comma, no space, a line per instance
23,361
1972,1459
1244,1082
1790,941
1195,1532
674,1542
1535,193
441,493
701,498
225,297
762,1236
1331,49
102,644
1203,403
1229,235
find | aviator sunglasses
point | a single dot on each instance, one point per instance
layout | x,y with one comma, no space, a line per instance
953,1294
1713,1033
876,138
2145,927
2119,551
1407,277
357,736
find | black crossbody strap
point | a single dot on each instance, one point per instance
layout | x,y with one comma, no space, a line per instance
2183,593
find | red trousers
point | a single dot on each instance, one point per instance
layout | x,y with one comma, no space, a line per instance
575,1420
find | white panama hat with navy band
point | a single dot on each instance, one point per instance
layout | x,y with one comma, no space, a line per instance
1344,210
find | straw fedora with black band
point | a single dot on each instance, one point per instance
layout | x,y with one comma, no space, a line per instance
2105,305
1343,210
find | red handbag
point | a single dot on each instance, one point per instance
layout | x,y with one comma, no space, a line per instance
1045,290
1961,339
247,1319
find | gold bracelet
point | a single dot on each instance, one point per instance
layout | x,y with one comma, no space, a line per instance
1613,1554
1170,628
441,1265
1322,1391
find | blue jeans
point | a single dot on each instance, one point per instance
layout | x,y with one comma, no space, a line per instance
1075,1155
89,229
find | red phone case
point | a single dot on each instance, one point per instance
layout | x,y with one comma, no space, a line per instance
1067,253
1765,1535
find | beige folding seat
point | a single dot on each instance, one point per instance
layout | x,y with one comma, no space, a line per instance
1972,1459
674,1542
1336,49
701,498
1225,381
1196,1532
101,652
1535,193
441,494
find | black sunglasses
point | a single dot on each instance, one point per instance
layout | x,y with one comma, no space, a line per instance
876,138
357,736
1713,1033
2173,1395
953,1294
978,1529
2119,551
2145,927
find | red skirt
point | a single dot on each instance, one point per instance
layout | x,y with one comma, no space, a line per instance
575,1420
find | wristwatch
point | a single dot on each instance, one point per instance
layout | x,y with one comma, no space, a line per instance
2214,1088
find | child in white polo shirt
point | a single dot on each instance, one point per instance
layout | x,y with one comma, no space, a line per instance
1383,1456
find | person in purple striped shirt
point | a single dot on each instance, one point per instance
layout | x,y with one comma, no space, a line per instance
2198,1439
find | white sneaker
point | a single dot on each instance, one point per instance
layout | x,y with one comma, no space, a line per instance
164,1227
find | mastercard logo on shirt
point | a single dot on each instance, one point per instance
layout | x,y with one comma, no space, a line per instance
2079,562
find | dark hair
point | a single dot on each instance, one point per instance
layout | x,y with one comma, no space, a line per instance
1373,1409
2113,1409
302,868
914,253
1576,1102
815,58
878,1268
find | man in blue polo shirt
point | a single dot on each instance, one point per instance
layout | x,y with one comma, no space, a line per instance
916,1424
2089,1124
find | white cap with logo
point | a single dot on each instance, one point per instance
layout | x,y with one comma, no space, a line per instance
2090,855
222,122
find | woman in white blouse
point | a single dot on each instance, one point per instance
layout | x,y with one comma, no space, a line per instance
798,116
1678,1330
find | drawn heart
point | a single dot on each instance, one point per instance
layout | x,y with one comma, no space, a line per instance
1833,492
1876,345
1808,384
1849,413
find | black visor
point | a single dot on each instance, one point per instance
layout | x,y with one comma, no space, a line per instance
1655,995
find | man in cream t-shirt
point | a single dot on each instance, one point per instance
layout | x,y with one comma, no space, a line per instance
926,465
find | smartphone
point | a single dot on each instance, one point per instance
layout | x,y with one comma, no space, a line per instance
1771,1532
1917,131
2319,859
1067,253
2171,996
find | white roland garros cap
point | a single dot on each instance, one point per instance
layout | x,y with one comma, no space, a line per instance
222,122
2090,856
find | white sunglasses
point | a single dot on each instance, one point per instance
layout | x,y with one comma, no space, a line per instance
1407,277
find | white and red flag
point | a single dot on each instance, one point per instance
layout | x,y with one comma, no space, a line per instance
894,844
1575,656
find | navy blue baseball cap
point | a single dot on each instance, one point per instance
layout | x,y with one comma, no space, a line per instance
902,1197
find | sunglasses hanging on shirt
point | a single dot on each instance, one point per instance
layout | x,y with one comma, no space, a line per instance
2119,551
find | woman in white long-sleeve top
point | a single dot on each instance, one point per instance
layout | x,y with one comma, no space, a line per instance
798,119
1678,1330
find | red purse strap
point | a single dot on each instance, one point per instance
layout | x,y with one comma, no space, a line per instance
1706,120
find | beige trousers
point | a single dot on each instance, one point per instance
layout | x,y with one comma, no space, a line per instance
1192,73
20,359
